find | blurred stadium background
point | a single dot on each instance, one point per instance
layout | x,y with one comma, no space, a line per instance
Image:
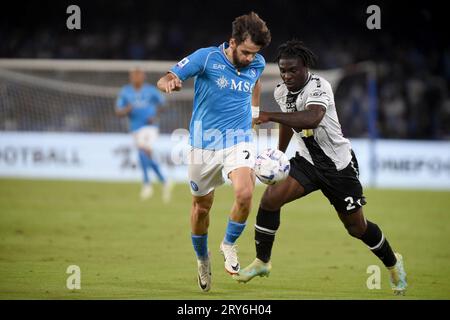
57,93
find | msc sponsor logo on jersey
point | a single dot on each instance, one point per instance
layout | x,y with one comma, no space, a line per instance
183,62
241,85
222,82
139,103
244,86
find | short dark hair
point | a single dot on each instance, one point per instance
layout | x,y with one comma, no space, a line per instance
253,27
296,49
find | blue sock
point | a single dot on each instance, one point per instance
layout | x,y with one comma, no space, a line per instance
200,244
143,159
234,230
152,163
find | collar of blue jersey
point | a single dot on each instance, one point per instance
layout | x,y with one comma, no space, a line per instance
303,87
222,47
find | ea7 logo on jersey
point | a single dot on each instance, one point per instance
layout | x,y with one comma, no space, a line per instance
183,62
218,66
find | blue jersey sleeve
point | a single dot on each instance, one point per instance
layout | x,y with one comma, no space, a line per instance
121,101
192,65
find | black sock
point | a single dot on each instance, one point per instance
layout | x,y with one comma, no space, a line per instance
378,244
267,223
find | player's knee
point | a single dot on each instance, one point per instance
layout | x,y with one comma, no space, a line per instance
267,204
201,209
269,201
244,196
355,230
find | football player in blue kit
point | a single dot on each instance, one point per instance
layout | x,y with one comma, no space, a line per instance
141,103
226,97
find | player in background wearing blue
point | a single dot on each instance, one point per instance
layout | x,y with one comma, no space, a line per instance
141,103
226,97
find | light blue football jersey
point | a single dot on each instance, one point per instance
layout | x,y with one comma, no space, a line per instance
145,103
221,115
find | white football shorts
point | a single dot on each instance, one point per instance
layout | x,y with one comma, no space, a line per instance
207,167
146,136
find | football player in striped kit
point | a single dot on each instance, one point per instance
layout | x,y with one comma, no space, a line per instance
324,161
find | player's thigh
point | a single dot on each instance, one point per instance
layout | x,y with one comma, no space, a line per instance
300,182
204,171
275,196
241,155
238,163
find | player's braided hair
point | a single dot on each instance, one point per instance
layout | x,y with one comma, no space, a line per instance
296,49
252,26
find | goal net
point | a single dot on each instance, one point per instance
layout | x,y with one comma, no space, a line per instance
57,117
80,95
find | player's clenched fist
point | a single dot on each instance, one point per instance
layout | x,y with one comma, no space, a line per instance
173,85
169,83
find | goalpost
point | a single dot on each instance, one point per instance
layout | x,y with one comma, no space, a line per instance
79,95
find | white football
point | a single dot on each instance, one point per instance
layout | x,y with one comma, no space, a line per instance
272,166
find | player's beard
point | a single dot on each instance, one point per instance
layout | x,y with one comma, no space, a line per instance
236,62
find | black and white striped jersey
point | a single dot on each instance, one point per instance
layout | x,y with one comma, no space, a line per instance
325,147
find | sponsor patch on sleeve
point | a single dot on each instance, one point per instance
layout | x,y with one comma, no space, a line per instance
183,62
317,93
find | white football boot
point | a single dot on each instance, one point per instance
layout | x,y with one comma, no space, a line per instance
229,253
204,274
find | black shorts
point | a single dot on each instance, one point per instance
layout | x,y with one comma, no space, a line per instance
342,188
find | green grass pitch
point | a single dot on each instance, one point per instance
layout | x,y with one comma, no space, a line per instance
128,249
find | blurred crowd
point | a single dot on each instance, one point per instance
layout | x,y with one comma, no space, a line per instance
411,50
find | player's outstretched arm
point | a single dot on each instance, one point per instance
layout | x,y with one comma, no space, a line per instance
284,137
169,83
256,99
299,120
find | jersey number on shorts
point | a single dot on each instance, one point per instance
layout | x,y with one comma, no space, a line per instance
350,205
247,154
